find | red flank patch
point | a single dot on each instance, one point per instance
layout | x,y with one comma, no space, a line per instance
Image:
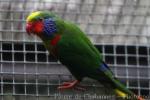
55,40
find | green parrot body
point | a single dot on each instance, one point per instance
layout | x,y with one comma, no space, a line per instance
75,51
68,43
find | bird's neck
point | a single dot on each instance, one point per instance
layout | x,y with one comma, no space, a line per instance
55,40
51,44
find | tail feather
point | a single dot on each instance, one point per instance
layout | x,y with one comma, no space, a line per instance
126,96
120,93
118,87
123,92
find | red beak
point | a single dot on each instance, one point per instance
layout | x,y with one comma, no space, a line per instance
29,28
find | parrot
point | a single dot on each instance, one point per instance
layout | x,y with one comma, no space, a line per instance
72,47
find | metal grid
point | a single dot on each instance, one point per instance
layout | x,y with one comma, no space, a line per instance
119,28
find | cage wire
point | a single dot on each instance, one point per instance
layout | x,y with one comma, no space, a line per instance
120,29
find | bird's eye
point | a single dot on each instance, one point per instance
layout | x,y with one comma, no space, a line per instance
41,19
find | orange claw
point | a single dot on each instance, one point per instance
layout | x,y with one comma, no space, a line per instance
68,85
71,85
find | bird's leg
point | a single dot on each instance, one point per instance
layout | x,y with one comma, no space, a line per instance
70,85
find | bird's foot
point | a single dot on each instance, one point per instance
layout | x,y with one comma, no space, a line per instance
71,85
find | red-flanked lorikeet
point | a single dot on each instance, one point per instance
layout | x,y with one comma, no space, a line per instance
69,44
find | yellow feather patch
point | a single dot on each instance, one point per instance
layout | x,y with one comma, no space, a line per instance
32,15
120,93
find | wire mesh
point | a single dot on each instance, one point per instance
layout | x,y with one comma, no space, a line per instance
120,29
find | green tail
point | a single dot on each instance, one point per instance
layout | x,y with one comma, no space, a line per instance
123,92
118,87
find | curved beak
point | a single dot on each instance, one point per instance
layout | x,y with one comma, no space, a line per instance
29,27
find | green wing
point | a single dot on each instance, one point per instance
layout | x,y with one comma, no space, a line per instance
78,53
